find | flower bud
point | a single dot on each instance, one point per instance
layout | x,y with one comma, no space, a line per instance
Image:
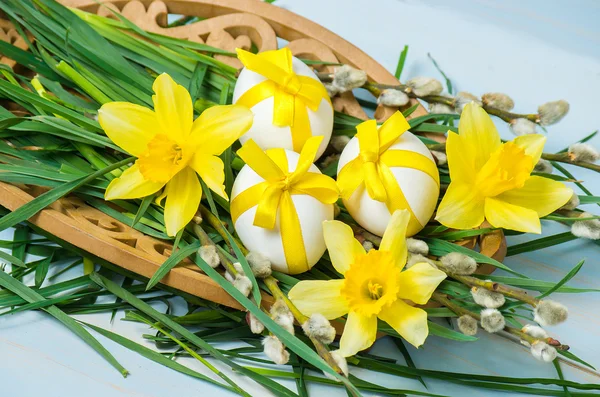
347,78
522,127
589,229
415,246
543,166
462,99
318,327
583,152
533,331
282,315
424,86
548,312
441,108
572,203
331,89
492,320
458,263
439,157
339,142
413,259
487,298
498,100
367,245
209,254
393,98
242,284
341,363
467,325
275,350
260,264
543,351
255,326
552,112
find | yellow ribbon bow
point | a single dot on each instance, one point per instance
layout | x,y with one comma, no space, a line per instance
275,194
372,166
291,93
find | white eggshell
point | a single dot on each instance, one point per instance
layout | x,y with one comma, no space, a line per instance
311,213
420,189
267,135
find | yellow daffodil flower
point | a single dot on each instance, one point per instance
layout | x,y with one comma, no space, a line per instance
171,148
492,180
374,286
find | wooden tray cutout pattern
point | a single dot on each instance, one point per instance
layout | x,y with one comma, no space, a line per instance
227,24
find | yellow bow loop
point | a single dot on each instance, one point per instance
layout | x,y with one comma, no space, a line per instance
275,194
291,93
372,166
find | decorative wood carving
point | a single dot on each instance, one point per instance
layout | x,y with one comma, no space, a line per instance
226,24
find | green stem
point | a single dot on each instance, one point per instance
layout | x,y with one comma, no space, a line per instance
220,228
272,284
83,83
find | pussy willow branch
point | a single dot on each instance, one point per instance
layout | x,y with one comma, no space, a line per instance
559,157
272,283
375,89
505,290
445,300
206,240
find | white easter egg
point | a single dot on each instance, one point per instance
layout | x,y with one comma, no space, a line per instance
311,213
267,135
419,188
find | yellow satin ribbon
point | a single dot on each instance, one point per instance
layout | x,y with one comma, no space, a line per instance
372,166
291,93
275,194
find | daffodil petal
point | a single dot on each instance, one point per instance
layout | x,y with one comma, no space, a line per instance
173,107
533,144
211,170
219,127
394,237
480,137
461,207
128,125
418,283
462,168
359,334
131,185
540,194
509,216
410,322
319,296
183,198
341,245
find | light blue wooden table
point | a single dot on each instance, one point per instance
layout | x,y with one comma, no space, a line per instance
535,51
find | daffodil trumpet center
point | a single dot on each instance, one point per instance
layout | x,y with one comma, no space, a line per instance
371,283
162,159
508,168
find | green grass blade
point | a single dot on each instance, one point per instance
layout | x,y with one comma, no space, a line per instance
401,60
564,280
170,263
42,201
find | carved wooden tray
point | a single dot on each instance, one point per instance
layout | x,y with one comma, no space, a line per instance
226,24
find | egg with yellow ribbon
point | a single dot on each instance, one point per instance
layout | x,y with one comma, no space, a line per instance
384,169
278,203
289,102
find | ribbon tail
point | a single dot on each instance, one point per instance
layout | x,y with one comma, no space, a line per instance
291,236
373,183
266,211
